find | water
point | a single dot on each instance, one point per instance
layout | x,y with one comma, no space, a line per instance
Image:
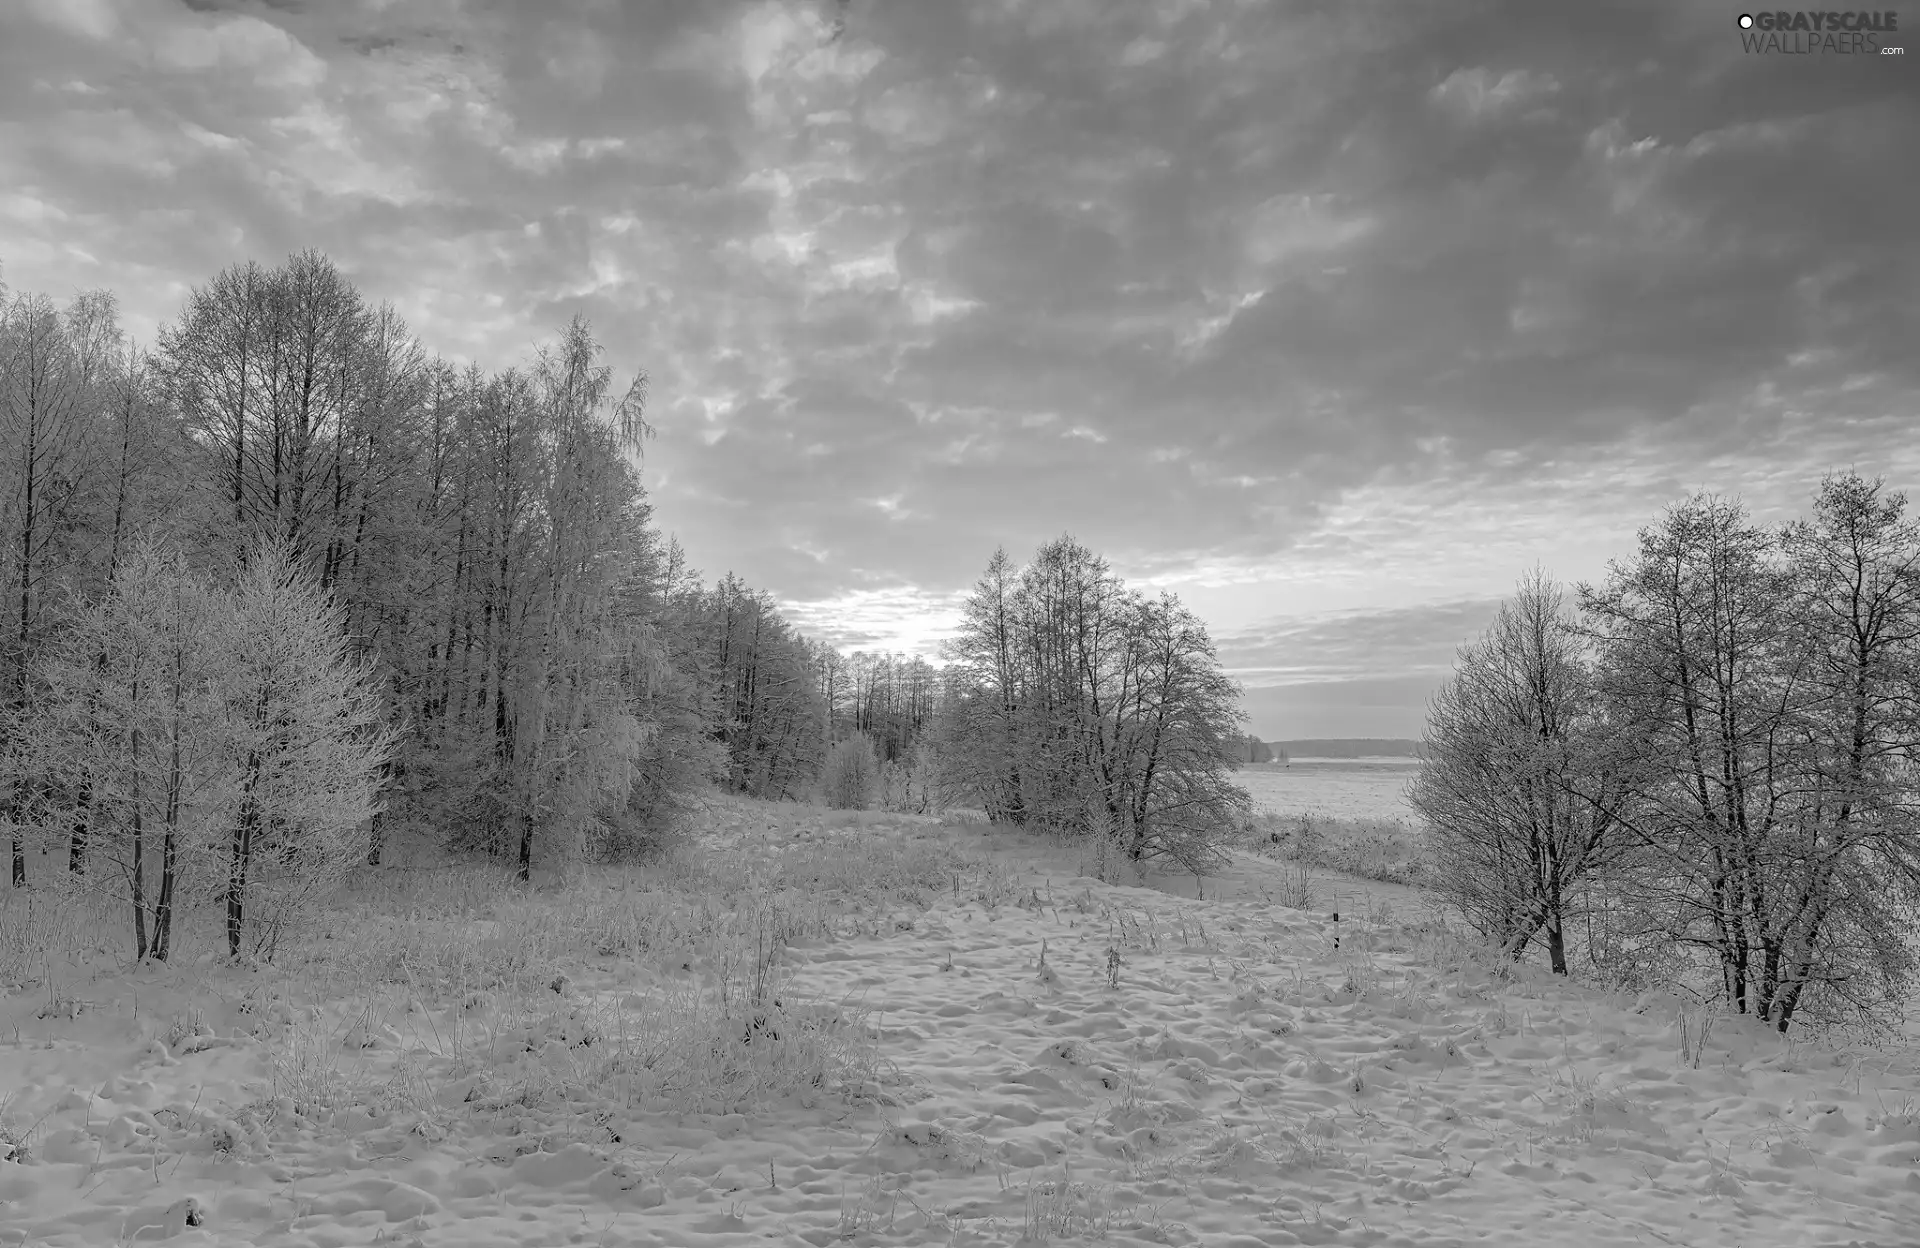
1346,788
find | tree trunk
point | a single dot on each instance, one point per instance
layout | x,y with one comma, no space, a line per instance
163,905
1556,915
77,843
240,857
1556,946
170,832
137,873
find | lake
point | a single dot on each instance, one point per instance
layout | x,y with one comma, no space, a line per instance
1346,788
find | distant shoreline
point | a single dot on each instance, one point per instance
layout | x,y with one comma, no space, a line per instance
1349,748
1366,760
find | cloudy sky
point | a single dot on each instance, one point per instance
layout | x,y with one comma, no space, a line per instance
1331,316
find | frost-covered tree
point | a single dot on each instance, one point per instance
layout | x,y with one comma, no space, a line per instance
852,779
304,737
558,684
1769,680
132,701
1515,788
51,367
1076,702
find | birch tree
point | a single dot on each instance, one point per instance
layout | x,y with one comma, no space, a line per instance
574,726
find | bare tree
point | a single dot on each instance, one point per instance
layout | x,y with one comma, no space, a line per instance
47,371
1697,654
1077,703
982,726
1849,875
1173,749
770,715
1515,788
131,704
1768,678
215,363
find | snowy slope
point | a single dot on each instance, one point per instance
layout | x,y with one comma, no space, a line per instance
1176,1071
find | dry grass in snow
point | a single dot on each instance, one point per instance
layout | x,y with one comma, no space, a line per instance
819,1029
1391,850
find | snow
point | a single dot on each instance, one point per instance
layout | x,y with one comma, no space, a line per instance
1231,1078
1345,788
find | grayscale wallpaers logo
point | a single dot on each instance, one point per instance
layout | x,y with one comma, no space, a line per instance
1803,33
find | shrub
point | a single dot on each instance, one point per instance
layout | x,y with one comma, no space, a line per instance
1390,850
852,779
913,784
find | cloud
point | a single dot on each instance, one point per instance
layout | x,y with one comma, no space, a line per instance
1355,645
1383,707
1331,307
1477,93
89,19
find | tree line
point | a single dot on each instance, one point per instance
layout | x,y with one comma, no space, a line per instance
1704,770
283,589
524,661
881,710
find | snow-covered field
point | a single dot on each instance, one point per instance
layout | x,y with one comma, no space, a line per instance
973,1044
1342,787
